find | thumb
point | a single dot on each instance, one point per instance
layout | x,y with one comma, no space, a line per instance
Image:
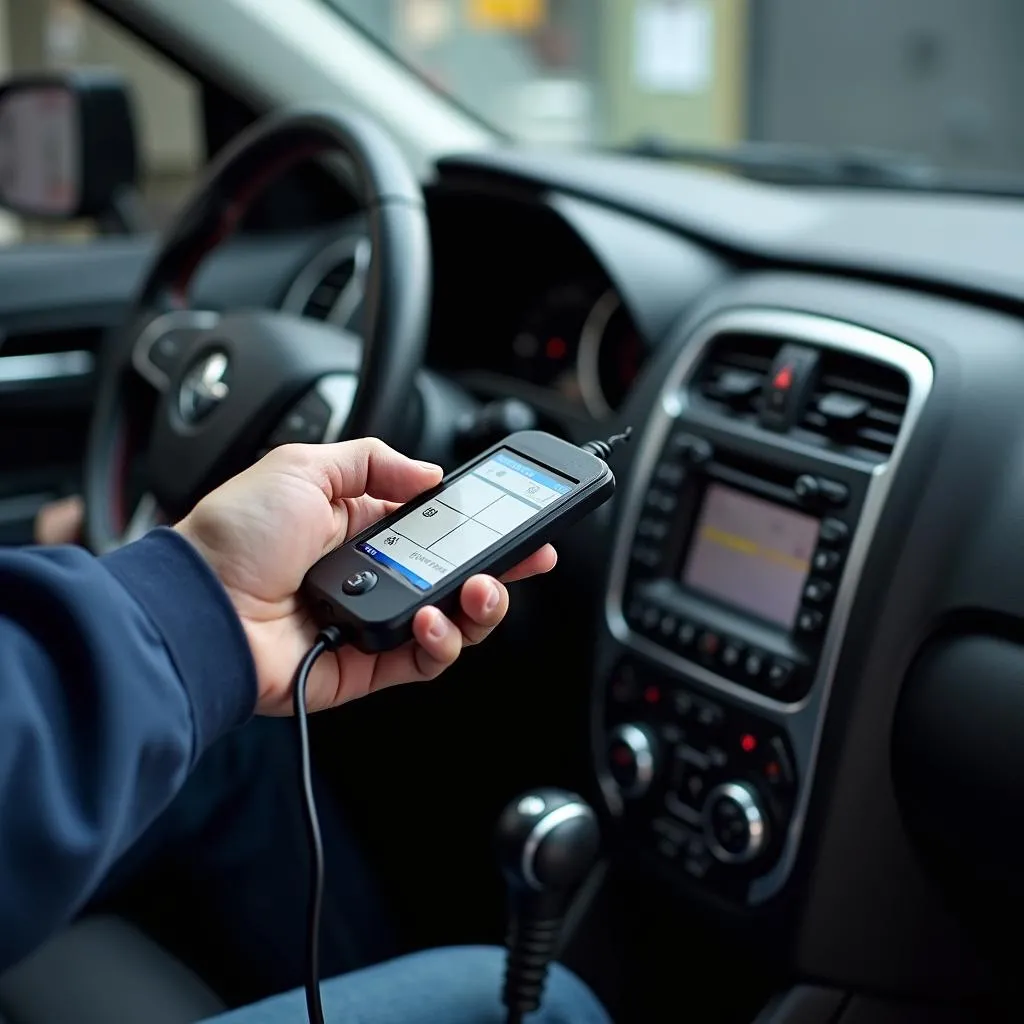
350,469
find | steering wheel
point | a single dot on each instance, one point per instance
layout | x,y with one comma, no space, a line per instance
200,394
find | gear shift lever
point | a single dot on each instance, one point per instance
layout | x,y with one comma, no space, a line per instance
547,843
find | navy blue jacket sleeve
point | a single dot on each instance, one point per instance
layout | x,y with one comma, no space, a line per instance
116,673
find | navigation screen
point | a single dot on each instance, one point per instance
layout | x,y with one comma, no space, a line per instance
469,516
751,553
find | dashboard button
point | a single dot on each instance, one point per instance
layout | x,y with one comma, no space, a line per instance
694,450
817,591
652,529
709,643
835,493
668,625
732,655
646,555
753,665
686,635
809,621
826,561
780,675
807,489
683,704
670,473
834,531
710,716
650,617
624,687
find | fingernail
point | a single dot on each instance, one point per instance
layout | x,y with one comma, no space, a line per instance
493,597
432,466
438,627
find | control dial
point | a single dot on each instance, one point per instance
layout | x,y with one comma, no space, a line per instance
735,823
632,759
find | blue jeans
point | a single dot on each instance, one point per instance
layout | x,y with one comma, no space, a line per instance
460,985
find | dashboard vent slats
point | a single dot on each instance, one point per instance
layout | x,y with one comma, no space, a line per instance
856,403
732,375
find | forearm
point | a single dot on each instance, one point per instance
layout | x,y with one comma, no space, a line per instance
116,674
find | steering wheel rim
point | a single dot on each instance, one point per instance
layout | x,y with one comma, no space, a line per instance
396,299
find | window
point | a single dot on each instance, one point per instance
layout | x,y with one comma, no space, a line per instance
48,34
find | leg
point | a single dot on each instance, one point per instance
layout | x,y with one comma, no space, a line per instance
221,877
461,985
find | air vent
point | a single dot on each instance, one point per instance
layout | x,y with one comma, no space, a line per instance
856,403
733,373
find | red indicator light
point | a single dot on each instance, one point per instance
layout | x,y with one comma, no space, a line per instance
556,348
783,380
652,695
748,742
772,770
622,757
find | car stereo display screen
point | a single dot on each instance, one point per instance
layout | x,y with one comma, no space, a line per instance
751,554
471,514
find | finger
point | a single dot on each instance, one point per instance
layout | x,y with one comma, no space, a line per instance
541,561
484,603
349,469
436,644
365,511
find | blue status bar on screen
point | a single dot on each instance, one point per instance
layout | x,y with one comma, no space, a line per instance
531,473
379,556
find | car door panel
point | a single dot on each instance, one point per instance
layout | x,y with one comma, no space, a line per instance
58,304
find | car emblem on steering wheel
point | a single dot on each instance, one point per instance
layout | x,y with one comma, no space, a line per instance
204,387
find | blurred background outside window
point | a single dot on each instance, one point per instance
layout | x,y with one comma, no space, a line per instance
934,79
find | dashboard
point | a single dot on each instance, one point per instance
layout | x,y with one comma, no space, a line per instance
807,613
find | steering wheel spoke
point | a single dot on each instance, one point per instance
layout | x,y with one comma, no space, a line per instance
162,344
147,516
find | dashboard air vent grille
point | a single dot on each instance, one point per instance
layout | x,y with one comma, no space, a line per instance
856,403
734,371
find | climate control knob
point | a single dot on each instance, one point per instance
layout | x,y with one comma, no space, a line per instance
735,823
632,759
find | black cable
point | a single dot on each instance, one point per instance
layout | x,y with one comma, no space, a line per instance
328,639
602,449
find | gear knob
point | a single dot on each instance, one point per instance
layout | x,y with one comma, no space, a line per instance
548,841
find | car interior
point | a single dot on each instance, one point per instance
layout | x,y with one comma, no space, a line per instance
784,666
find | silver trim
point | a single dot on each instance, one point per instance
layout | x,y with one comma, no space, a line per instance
176,319
803,721
45,367
742,795
635,737
338,390
350,247
588,354
541,830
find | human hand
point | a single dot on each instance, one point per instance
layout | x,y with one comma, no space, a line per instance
59,522
262,531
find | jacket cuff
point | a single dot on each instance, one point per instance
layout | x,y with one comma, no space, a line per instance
204,637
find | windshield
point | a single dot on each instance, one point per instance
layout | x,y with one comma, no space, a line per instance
935,81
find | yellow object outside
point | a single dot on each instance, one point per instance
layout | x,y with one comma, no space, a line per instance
519,15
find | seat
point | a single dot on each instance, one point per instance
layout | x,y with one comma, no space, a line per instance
102,970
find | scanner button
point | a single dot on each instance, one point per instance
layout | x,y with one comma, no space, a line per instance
360,582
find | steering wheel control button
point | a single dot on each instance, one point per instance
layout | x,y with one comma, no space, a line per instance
825,561
631,759
735,825
833,531
306,423
359,583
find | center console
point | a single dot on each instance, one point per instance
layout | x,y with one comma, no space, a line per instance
759,484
